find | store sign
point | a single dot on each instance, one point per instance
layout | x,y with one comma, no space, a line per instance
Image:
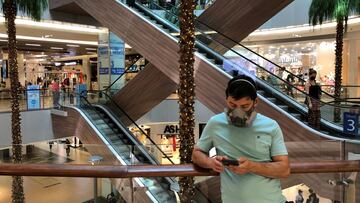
33,97
288,59
103,71
171,129
351,123
117,60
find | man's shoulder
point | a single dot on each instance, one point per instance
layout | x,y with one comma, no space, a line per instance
221,117
266,120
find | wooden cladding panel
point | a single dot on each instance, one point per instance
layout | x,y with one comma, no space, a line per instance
54,4
144,92
75,125
238,18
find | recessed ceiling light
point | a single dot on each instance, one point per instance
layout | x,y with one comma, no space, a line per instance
39,55
33,45
73,45
56,48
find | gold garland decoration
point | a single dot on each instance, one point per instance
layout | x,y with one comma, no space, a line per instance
186,93
10,10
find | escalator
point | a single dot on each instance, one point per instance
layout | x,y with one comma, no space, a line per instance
129,149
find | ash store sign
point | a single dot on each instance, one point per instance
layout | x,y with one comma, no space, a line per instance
171,129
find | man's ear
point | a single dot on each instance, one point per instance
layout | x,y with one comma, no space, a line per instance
256,102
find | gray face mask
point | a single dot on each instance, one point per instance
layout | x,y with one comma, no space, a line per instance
240,118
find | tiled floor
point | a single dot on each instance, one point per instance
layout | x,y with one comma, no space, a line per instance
52,189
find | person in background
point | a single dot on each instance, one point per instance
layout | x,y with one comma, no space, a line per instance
299,197
289,86
55,88
313,91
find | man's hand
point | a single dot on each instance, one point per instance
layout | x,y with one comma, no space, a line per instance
244,167
215,163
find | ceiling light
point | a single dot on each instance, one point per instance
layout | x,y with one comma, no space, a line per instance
40,55
33,45
56,48
57,26
91,49
73,45
3,40
94,43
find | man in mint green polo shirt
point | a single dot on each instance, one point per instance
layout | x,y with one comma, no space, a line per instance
254,140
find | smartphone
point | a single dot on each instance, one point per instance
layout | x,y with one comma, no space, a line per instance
228,162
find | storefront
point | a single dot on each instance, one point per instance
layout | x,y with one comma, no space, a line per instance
166,137
296,57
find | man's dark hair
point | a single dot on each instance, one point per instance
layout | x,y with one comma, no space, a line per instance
241,86
312,71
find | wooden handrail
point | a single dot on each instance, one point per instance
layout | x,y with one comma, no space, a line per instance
107,171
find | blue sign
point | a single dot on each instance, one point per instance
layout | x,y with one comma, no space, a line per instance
33,97
117,71
80,90
103,71
351,123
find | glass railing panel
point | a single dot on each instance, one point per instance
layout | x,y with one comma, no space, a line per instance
60,189
300,151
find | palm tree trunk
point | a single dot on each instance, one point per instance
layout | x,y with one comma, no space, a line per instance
186,93
10,15
338,67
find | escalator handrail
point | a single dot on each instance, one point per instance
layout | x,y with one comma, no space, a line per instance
133,122
216,55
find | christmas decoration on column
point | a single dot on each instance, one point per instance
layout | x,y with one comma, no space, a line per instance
186,93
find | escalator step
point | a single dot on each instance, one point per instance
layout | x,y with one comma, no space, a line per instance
325,132
261,92
285,108
212,60
272,99
155,189
296,115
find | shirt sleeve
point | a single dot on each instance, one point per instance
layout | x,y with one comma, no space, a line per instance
277,144
205,142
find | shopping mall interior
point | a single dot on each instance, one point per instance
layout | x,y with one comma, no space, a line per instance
98,86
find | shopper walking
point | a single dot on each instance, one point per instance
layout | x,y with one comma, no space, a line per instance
313,97
55,88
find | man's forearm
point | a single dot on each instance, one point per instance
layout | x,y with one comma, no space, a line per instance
271,170
201,159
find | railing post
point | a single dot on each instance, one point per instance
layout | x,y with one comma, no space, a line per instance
131,190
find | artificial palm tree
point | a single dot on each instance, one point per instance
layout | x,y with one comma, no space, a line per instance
186,93
34,9
339,11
